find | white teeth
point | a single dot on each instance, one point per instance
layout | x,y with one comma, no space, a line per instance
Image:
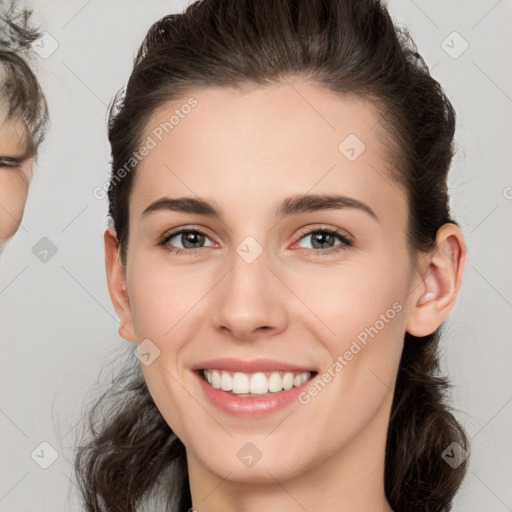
215,379
226,382
257,383
275,382
240,383
288,380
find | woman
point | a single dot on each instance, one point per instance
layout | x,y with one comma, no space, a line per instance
23,116
283,254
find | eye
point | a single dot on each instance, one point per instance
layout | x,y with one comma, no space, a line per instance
7,161
191,239
324,239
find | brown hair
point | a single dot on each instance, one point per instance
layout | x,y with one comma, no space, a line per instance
351,48
20,93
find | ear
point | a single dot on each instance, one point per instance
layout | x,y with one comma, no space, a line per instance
116,280
440,280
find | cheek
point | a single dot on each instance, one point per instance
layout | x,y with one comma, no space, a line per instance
13,195
161,303
359,317
338,303
347,299
161,298
361,309
338,307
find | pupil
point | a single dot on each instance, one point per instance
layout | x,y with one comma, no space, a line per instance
189,238
319,236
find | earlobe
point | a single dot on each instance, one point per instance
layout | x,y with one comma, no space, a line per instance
433,300
116,281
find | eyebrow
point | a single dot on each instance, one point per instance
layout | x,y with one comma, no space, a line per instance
19,159
290,206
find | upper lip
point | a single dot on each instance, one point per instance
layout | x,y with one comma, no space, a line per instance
256,365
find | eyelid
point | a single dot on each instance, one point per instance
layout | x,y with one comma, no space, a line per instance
7,161
186,227
320,227
162,240
346,239
346,242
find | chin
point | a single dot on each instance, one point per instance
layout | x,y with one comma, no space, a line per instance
245,459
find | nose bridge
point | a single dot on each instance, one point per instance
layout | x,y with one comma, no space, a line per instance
248,298
249,275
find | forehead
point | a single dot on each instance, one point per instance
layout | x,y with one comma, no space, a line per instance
267,141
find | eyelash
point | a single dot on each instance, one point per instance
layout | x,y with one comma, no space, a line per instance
345,241
7,161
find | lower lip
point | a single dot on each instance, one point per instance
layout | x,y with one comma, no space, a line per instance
250,407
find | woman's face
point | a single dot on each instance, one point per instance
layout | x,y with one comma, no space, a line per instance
14,179
258,292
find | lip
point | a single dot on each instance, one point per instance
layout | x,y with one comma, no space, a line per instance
250,407
256,365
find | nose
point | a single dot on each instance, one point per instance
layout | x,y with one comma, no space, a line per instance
251,300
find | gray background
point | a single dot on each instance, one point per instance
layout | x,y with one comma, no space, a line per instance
57,324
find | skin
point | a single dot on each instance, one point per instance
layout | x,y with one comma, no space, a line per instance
247,152
14,179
